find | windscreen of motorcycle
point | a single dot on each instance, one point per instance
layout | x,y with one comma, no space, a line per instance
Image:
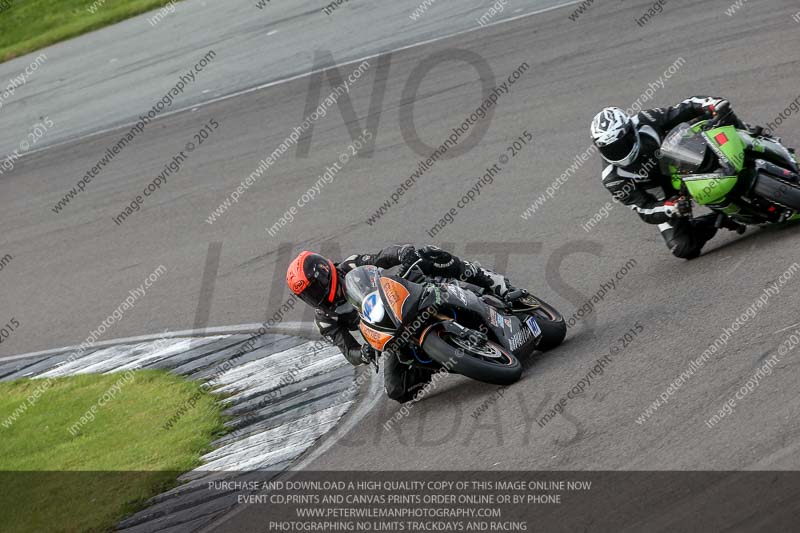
683,151
361,283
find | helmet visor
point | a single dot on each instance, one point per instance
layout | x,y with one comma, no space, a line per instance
313,296
622,148
321,287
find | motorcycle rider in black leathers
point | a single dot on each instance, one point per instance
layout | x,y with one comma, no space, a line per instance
320,283
631,147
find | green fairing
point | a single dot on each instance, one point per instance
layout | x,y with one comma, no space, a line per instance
733,149
731,210
712,190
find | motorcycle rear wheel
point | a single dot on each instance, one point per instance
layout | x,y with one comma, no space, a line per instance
487,362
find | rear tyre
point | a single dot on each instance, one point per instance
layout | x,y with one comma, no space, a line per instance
487,362
550,321
778,191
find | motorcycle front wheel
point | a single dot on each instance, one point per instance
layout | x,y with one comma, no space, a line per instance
482,361
550,321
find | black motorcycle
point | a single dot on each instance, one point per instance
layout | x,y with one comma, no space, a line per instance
453,325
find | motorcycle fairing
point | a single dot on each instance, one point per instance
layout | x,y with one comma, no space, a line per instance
728,146
508,330
400,297
394,296
769,149
723,190
377,339
709,188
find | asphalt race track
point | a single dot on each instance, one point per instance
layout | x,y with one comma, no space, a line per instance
71,270
108,77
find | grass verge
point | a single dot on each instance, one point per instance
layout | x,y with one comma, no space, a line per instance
55,479
28,25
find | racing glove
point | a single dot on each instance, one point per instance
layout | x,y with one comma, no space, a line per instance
721,108
436,262
678,207
361,356
407,255
724,112
367,354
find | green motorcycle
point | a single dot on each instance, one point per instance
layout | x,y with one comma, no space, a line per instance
751,180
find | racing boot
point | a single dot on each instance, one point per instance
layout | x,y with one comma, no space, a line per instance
730,224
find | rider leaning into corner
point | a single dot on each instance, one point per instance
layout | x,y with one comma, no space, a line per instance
320,283
630,147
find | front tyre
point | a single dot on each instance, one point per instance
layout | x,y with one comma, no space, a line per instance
487,361
550,321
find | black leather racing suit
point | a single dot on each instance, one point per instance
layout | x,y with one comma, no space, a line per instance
401,380
642,187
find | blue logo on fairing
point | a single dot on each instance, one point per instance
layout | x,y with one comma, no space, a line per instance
369,303
534,326
372,308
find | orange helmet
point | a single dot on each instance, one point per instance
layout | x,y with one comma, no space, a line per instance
314,279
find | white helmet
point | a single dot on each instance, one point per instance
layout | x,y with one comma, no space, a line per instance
616,136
